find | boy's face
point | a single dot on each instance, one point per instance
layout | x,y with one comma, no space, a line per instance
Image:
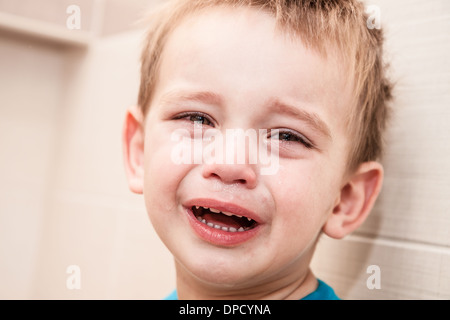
229,69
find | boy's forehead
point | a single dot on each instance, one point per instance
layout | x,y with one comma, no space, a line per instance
241,53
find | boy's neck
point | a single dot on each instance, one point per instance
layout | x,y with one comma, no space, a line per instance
189,288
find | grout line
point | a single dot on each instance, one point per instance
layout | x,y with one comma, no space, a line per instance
398,243
98,200
98,17
415,22
43,30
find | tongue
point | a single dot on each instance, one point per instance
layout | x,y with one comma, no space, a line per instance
223,220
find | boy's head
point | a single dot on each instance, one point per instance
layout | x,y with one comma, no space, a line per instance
311,70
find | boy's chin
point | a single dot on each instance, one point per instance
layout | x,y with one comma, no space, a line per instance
218,269
214,276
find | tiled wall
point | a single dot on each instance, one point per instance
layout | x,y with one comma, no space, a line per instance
94,221
64,196
30,86
65,201
408,233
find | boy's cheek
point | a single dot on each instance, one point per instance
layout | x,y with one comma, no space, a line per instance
300,191
161,173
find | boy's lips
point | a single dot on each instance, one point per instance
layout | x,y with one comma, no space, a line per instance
222,223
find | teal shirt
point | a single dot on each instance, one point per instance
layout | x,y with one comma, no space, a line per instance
323,292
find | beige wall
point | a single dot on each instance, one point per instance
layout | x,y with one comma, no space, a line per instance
63,195
408,232
94,221
30,96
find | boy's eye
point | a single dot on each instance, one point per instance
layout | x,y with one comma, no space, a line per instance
196,117
290,136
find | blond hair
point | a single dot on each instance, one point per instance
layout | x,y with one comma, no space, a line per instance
320,24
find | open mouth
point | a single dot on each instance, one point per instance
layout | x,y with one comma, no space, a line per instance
225,221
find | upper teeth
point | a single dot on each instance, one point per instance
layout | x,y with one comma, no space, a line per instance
225,213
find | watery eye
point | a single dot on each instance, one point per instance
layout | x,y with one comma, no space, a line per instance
195,117
289,136
200,119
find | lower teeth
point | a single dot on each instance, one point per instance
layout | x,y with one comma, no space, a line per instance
216,226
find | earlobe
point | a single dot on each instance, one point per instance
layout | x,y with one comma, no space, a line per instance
356,200
133,149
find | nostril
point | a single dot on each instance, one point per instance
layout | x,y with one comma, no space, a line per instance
231,174
236,181
240,181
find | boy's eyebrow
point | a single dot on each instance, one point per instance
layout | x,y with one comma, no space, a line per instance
312,119
201,96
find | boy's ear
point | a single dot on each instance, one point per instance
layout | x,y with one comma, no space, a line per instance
355,201
133,149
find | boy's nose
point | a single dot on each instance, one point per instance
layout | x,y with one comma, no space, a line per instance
232,173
